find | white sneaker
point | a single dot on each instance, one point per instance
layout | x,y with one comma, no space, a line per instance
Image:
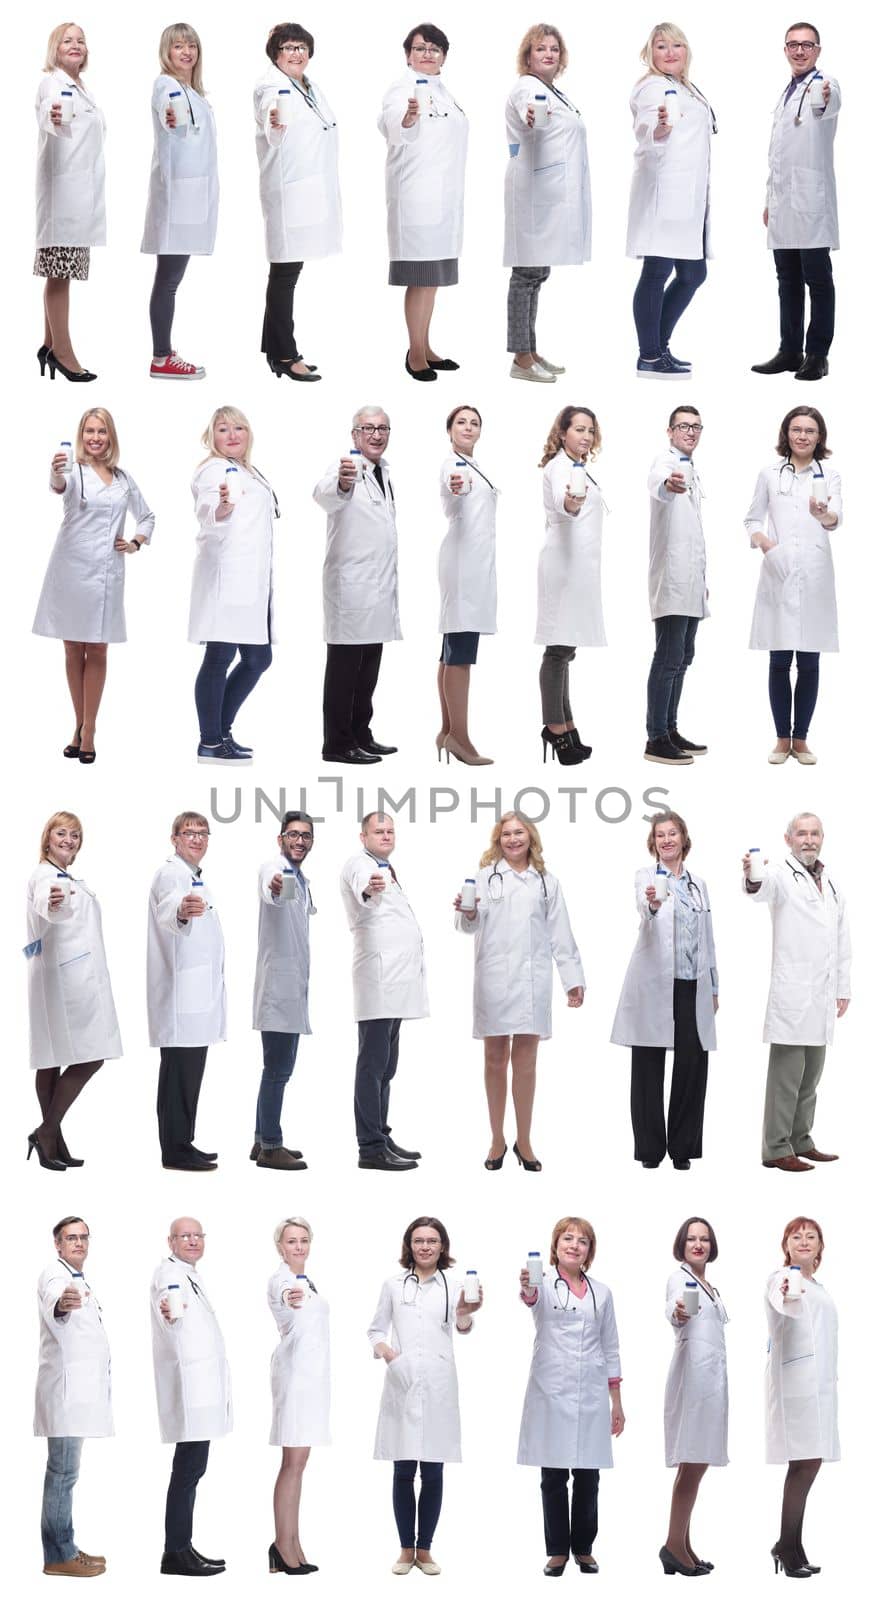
533,374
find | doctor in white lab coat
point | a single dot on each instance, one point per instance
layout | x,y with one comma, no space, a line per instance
801,207
359,588
668,214
677,585
192,1387
425,130
419,1423
282,973
182,209
547,195
795,508
186,988
300,1380
296,145
521,926
801,1383
810,987
696,1393
70,215
572,1409
73,1025
73,1392
466,573
569,609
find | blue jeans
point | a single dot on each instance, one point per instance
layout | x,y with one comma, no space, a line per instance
280,1053
780,691
403,1495
657,310
218,697
378,1042
62,1471
674,652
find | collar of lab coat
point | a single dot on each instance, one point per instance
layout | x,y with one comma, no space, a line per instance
503,865
72,83
283,862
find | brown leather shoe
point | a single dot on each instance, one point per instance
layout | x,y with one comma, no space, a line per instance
81,1566
280,1159
789,1164
817,1155
93,1561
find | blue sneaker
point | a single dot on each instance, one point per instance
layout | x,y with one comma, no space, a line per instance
220,755
681,366
238,749
661,366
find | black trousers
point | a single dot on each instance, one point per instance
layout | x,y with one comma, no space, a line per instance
277,335
797,269
351,671
179,1080
378,1043
577,1532
189,1465
688,1087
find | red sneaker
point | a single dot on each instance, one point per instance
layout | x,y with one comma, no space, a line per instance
173,366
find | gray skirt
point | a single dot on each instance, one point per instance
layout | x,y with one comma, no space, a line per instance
423,274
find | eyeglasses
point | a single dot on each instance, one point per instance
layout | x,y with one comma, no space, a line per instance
75,1238
194,834
805,45
294,834
688,427
425,50
370,429
190,1238
294,49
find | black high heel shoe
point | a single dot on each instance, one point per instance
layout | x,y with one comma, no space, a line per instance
578,744
54,365
278,1565
562,746
71,751
282,369
495,1163
87,757
790,1571
670,1565
530,1166
42,356
808,1564
64,1154
49,1162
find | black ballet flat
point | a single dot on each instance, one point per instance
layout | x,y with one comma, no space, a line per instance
444,366
427,374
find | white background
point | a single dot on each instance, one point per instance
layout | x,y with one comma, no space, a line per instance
350,322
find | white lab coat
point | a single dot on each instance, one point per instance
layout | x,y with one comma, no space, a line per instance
72,1013
696,1393
182,208
300,183
801,198
547,195
645,1013
388,956
566,1411
82,595
360,574
185,963
517,938
466,563
70,207
795,605
232,581
192,1378
669,208
73,1385
300,1368
418,1415
677,559
424,173
569,567
801,1379
282,971
810,953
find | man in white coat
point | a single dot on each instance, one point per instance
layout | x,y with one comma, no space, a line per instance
810,986
282,973
388,984
677,585
186,989
73,1392
193,1387
359,587
801,208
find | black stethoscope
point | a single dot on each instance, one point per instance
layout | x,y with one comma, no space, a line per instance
261,479
310,100
497,894
789,466
183,89
585,465
714,127
804,93
373,490
802,872
434,112
116,473
562,98
193,1281
696,898
561,1284
412,1278
469,462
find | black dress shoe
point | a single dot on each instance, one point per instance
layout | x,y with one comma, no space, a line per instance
187,1161
208,1561
255,1152
681,1166
586,1563
204,1155
375,749
185,1564
353,757
650,1164
405,1155
813,367
783,361
554,1572
384,1161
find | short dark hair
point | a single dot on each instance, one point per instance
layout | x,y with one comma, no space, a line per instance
59,1227
821,447
693,411
296,816
430,34
680,1241
284,33
406,1255
808,25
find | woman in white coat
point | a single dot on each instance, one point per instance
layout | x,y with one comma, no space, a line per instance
668,214
73,1025
70,214
801,1383
182,209
521,927
669,999
232,583
426,134
568,573
547,196
696,1393
296,145
419,1422
572,1409
468,587
82,596
300,1379
796,506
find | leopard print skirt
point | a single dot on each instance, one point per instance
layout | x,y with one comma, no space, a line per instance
62,261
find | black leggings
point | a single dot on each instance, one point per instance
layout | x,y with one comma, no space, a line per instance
169,272
780,691
277,336
217,696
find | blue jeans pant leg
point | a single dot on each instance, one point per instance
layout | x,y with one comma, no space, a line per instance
62,1472
686,662
674,651
280,1053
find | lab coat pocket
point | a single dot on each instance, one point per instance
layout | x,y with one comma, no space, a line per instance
305,201
550,185
777,564
194,990
82,1383
203,1382
423,205
78,990
189,200
799,1376
807,192
793,987
399,1375
674,195
73,199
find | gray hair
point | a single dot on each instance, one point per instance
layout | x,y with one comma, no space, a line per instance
370,411
290,1222
793,821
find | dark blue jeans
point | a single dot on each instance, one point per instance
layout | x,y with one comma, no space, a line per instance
674,652
280,1053
403,1496
218,697
657,310
62,1471
378,1042
780,691
189,1464
795,269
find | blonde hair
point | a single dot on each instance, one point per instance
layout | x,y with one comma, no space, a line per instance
227,414
67,819
290,1222
110,459
540,30
555,439
55,38
179,33
572,1222
666,30
535,847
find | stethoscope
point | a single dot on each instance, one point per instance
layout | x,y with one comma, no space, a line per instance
589,478
309,98
696,898
434,112
802,872
469,462
789,466
373,489
412,1278
562,98
193,1281
116,473
561,1285
495,882
262,480
804,93
714,127
195,125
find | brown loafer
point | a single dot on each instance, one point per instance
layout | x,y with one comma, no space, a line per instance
80,1566
93,1561
817,1155
789,1164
